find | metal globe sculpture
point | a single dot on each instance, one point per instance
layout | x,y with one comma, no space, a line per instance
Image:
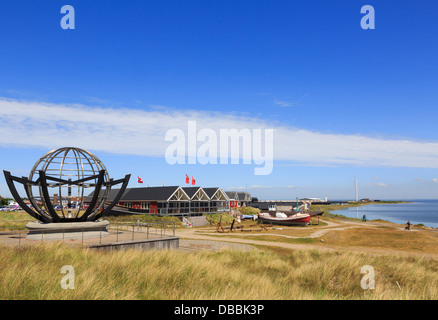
58,183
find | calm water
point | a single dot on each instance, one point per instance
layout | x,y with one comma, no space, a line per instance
417,211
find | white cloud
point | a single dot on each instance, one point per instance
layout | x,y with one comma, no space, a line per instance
247,187
377,184
138,132
284,103
256,186
426,181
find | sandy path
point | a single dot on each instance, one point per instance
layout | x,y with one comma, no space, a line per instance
197,234
320,231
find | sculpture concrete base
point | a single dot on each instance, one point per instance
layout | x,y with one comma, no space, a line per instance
67,230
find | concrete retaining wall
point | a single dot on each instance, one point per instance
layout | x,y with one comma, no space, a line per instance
198,221
145,244
66,230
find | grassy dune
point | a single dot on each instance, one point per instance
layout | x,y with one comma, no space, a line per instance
14,220
271,273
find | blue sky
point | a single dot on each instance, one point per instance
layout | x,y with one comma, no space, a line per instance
331,91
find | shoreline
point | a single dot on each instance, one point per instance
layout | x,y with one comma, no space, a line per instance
330,209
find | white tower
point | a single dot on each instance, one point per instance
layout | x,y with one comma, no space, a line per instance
355,185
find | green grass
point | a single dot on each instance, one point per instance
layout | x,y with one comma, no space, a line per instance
215,218
334,207
340,216
270,238
142,218
14,220
248,210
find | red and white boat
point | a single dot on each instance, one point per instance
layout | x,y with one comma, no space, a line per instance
297,219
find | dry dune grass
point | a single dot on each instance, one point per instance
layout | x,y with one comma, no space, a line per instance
34,273
390,238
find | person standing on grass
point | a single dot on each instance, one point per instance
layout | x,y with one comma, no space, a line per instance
408,226
364,218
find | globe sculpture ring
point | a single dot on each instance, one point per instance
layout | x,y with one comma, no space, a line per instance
58,183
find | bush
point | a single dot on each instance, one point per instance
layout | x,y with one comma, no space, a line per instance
248,210
216,217
143,218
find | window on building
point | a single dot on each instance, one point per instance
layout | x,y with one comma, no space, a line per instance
145,205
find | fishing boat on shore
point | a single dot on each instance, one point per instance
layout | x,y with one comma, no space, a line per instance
315,213
280,218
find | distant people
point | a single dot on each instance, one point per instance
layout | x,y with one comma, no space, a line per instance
408,226
364,218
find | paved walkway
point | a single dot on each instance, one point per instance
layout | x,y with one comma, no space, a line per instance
18,238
